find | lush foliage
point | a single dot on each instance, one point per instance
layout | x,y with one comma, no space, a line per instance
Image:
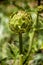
25,47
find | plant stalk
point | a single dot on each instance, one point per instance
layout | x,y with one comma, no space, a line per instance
30,47
21,60
20,44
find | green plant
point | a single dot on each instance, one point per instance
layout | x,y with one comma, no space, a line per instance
20,23
26,24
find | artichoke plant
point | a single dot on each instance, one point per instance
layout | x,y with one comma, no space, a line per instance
40,8
20,22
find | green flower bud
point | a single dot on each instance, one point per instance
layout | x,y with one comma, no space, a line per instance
40,8
20,22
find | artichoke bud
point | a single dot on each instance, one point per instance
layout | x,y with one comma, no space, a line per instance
40,8
20,22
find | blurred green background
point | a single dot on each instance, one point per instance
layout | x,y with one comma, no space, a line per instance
9,42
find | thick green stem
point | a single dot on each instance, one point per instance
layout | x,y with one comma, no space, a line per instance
21,60
20,43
